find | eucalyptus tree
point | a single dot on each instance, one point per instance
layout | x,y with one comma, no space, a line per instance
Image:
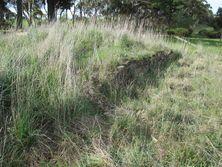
32,9
64,5
160,12
3,10
73,9
19,14
219,18
51,4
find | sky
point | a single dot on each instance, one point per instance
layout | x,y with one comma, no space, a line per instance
215,4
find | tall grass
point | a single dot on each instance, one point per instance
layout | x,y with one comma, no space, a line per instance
48,119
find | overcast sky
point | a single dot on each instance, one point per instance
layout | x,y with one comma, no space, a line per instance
215,4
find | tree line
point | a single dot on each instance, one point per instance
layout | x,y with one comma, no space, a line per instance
164,13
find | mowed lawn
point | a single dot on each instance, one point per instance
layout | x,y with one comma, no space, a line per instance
213,46
206,41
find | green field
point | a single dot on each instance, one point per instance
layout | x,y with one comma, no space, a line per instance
206,41
106,96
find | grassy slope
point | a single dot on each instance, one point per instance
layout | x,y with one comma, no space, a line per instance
47,119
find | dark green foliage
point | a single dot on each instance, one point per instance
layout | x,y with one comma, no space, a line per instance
182,32
219,18
204,32
5,100
215,34
4,25
4,11
210,34
165,13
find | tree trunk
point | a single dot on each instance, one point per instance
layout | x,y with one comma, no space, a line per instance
19,14
1,17
51,10
95,15
73,15
30,13
73,12
60,15
80,8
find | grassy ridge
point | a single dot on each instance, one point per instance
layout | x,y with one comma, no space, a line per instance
47,119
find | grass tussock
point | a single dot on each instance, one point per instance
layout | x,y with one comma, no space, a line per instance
62,101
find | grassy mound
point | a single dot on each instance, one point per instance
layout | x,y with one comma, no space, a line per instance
106,96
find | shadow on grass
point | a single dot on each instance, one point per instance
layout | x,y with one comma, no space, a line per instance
5,98
135,75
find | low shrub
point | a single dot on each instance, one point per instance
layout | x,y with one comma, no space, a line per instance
210,33
182,32
4,25
215,34
204,32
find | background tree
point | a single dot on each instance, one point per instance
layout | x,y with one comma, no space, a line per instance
73,10
80,6
64,5
161,13
6,16
19,14
52,10
3,10
219,18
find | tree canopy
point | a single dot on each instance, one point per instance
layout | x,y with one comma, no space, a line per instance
165,13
